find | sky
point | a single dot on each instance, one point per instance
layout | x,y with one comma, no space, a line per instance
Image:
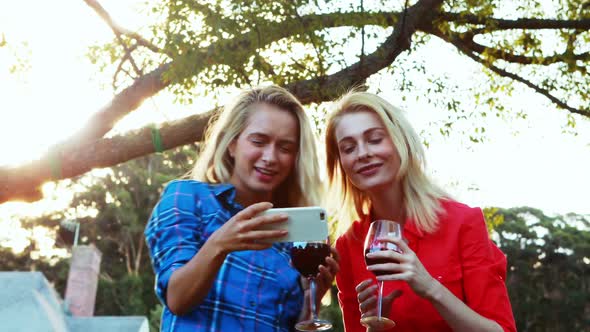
528,162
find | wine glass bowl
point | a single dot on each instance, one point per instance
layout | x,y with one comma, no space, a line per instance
377,230
307,258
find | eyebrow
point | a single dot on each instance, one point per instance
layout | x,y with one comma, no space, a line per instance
368,131
282,141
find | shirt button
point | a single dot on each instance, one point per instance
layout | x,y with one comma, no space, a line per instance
252,303
439,277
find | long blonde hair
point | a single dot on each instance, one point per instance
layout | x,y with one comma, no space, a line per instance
215,165
421,197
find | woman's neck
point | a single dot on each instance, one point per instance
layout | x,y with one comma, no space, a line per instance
248,198
387,203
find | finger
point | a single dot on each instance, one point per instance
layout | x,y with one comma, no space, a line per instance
268,219
393,295
405,276
367,293
390,255
253,210
332,265
260,221
252,236
389,268
304,283
363,284
368,304
256,246
325,275
335,254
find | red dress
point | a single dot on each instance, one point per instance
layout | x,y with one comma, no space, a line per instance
459,255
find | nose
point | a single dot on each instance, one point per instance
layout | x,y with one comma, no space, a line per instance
363,151
269,154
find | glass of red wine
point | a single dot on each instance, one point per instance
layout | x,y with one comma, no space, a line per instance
307,258
380,229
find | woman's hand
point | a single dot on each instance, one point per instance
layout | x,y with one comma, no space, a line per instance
409,268
367,298
242,231
325,277
324,280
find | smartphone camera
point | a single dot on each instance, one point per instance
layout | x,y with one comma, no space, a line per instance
322,216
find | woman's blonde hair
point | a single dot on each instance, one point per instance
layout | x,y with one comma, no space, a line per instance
421,197
215,165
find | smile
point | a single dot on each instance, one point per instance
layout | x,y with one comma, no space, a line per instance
369,169
265,171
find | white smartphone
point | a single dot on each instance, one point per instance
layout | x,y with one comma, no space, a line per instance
304,224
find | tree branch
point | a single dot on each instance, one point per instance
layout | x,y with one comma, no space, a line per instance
330,87
466,39
502,72
127,100
119,30
493,24
23,182
148,85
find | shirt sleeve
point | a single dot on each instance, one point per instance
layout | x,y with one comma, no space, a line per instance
484,272
347,296
173,233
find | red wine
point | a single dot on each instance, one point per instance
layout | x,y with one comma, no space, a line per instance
308,257
373,261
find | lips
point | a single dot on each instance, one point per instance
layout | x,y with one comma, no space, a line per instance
265,171
265,174
369,169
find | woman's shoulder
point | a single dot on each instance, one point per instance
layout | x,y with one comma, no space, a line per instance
182,183
460,213
352,234
188,186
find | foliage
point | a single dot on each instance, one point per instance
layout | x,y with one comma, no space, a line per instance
321,48
332,312
113,210
223,43
549,268
123,200
55,272
155,317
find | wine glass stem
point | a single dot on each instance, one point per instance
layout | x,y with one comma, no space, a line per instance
380,299
312,287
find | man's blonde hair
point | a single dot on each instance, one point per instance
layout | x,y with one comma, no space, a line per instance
215,165
421,197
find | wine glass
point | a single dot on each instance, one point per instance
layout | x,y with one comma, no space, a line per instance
306,258
379,229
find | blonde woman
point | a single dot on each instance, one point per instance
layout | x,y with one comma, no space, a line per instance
449,276
213,272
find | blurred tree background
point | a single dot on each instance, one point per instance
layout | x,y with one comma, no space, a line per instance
317,49
548,256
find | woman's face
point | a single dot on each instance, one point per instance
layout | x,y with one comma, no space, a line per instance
367,154
265,152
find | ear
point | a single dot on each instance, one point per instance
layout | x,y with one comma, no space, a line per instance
231,148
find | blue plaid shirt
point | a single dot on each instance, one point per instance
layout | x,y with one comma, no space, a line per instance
253,290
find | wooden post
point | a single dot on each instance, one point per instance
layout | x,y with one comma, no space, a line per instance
83,280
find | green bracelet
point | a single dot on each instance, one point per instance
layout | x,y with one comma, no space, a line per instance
157,139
